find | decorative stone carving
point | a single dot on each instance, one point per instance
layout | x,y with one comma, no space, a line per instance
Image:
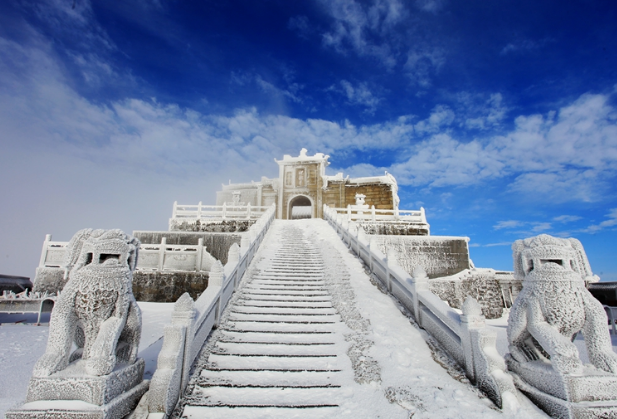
552,308
97,312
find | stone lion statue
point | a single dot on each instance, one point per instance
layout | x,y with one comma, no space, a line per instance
555,305
96,310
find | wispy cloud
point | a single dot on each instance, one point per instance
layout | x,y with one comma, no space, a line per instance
566,218
300,25
441,117
368,30
508,224
491,244
483,116
432,6
532,227
423,61
611,221
359,94
524,45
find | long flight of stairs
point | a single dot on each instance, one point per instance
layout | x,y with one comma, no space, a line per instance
280,350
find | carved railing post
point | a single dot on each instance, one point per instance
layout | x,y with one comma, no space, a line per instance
216,279
245,243
162,250
200,254
471,319
418,284
390,260
44,252
233,256
171,374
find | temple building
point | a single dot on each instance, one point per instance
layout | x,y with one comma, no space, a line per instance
303,187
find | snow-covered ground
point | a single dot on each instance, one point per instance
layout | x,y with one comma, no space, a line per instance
21,344
408,375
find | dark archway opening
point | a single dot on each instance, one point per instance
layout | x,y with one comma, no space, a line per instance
300,207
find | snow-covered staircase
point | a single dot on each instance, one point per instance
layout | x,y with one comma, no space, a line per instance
280,348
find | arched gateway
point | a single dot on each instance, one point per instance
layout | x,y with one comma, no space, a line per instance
303,187
300,207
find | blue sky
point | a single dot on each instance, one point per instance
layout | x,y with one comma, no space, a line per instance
498,117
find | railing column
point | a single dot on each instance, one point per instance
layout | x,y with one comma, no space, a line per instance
200,254
199,210
248,211
390,259
373,213
162,250
224,215
349,212
418,283
471,320
44,251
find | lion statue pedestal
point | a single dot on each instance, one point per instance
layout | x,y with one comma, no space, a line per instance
96,313
553,307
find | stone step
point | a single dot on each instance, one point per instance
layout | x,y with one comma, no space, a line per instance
279,338
235,316
274,349
273,396
226,412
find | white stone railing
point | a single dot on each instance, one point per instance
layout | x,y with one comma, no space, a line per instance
221,212
192,321
355,213
33,302
464,336
155,257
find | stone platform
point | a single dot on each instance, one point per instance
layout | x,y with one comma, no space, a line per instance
592,394
73,394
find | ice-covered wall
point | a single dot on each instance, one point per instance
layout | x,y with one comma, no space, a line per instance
213,226
394,229
481,284
438,255
167,287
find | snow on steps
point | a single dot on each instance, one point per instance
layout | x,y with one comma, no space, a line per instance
279,351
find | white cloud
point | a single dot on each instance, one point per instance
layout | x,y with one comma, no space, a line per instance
566,218
367,30
359,94
498,244
540,227
611,221
422,62
508,224
524,45
432,6
440,117
488,115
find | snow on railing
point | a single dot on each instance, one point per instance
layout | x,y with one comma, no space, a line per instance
192,321
222,212
27,302
355,213
156,257
464,336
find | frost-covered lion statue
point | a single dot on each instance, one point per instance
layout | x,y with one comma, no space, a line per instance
96,309
555,305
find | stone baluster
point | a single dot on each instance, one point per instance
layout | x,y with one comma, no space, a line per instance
162,250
